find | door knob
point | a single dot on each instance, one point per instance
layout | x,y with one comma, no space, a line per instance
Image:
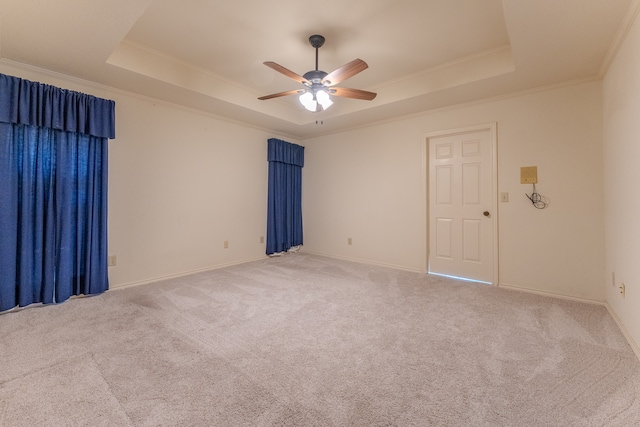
486,213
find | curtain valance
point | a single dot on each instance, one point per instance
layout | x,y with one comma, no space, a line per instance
37,104
285,152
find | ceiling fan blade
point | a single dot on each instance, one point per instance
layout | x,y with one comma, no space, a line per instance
279,94
279,68
353,93
344,72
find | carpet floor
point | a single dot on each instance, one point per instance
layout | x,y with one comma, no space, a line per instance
304,340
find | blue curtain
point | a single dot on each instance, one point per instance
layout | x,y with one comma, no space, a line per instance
53,187
284,201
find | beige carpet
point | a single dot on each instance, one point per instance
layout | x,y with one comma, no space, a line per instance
304,340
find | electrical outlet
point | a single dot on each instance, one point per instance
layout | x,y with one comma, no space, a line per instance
226,244
613,279
112,260
622,289
504,197
261,239
349,241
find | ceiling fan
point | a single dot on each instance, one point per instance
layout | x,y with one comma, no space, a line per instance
319,85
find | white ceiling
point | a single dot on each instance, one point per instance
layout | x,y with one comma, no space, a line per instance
422,54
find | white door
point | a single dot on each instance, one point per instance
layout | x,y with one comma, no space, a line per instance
462,204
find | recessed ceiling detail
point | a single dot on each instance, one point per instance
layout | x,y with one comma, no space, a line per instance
421,54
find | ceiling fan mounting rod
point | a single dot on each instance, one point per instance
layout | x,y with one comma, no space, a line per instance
316,42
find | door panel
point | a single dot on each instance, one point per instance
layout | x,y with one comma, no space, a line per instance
461,237
471,180
444,185
443,238
471,241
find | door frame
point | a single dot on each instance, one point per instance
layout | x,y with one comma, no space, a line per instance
492,128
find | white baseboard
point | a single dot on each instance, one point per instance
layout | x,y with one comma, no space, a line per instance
550,294
185,273
614,316
362,261
634,346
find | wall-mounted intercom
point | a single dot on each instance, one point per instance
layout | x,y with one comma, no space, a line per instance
529,175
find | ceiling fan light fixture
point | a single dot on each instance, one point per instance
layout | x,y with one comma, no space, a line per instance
311,98
324,99
307,99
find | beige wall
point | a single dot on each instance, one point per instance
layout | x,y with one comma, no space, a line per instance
367,184
180,184
622,204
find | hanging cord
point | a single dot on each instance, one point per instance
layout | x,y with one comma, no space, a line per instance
536,199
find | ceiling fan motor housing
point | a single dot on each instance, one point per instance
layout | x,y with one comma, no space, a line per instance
314,76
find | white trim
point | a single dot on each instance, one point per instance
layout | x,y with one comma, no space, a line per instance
362,261
456,62
549,294
184,273
464,104
424,143
492,128
620,37
297,136
72,80
634,346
